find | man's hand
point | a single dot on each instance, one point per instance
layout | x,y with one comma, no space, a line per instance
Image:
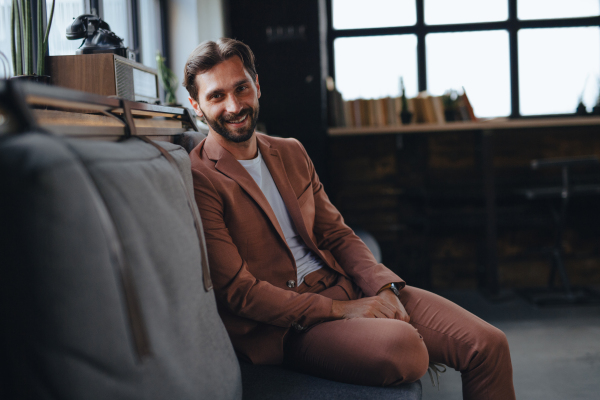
380,306
394,302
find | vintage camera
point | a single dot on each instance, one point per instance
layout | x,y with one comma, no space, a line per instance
98,37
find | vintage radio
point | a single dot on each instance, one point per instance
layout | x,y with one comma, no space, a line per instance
106,74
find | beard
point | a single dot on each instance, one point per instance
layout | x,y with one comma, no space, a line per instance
219,124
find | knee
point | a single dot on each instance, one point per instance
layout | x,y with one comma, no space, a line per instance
405,359
494,345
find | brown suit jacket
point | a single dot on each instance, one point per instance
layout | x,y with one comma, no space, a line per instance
250,262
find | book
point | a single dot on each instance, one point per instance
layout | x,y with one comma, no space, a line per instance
356,113
438,109
468,107
382,111
348,121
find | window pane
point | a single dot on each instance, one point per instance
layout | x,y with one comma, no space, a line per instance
477,61
547,9
555,67
64,12
354,14
150,31
464,11
371,67
5,10
116,15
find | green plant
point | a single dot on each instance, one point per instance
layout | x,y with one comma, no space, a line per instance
449,100
168,79
22,39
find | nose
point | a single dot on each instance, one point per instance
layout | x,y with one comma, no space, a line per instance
233,105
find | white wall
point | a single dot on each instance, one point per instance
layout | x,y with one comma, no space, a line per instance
190,23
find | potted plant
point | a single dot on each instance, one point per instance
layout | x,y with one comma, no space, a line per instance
23,43
405,114
168,80
450,102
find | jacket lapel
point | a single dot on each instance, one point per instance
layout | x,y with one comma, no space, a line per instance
229,166
273,161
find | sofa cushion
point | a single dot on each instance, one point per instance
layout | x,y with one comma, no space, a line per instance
66,330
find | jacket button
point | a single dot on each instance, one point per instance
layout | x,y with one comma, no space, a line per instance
291,283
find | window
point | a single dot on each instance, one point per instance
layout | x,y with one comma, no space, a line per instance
513,57
371,67
5,15
546,9
453,63
555,73
150,38
464,11
64,12
397,13
117,14
137,22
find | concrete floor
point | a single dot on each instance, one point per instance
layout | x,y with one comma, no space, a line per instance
555,351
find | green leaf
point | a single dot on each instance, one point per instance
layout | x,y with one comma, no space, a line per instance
40,38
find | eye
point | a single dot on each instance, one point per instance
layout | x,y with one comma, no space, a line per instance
241,88
216,96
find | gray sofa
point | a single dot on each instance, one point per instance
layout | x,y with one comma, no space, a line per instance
102,291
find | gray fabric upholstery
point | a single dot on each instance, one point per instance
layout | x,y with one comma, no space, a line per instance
266,382
65,331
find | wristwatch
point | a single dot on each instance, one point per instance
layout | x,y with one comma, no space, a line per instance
394,289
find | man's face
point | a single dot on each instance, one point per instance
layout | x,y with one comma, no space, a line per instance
228,100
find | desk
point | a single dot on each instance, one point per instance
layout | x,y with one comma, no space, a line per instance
488,276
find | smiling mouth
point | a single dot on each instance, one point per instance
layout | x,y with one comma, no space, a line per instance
238,121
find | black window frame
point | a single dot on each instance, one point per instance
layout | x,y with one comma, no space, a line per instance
512,25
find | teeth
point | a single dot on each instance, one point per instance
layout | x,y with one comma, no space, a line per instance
239,120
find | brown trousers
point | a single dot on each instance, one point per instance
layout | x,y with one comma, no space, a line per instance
385,352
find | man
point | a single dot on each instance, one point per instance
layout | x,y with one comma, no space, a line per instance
293,283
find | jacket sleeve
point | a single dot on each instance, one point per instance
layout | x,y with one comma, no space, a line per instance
347,248
236,288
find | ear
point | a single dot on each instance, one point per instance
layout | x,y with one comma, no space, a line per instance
196,107
257,87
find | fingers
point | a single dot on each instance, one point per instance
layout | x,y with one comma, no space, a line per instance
394,302
369,307
385,309
403,315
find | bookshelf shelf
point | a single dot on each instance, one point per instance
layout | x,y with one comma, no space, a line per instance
490,124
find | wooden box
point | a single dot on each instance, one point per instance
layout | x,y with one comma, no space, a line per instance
105,74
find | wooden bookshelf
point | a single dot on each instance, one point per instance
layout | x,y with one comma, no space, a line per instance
485,125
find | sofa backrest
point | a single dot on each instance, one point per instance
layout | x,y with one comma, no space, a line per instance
68,330
191,139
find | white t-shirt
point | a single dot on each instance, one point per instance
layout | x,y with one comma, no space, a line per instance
306,260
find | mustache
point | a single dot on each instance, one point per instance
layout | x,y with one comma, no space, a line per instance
235,117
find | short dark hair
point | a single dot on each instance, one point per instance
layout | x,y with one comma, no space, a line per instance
210,53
